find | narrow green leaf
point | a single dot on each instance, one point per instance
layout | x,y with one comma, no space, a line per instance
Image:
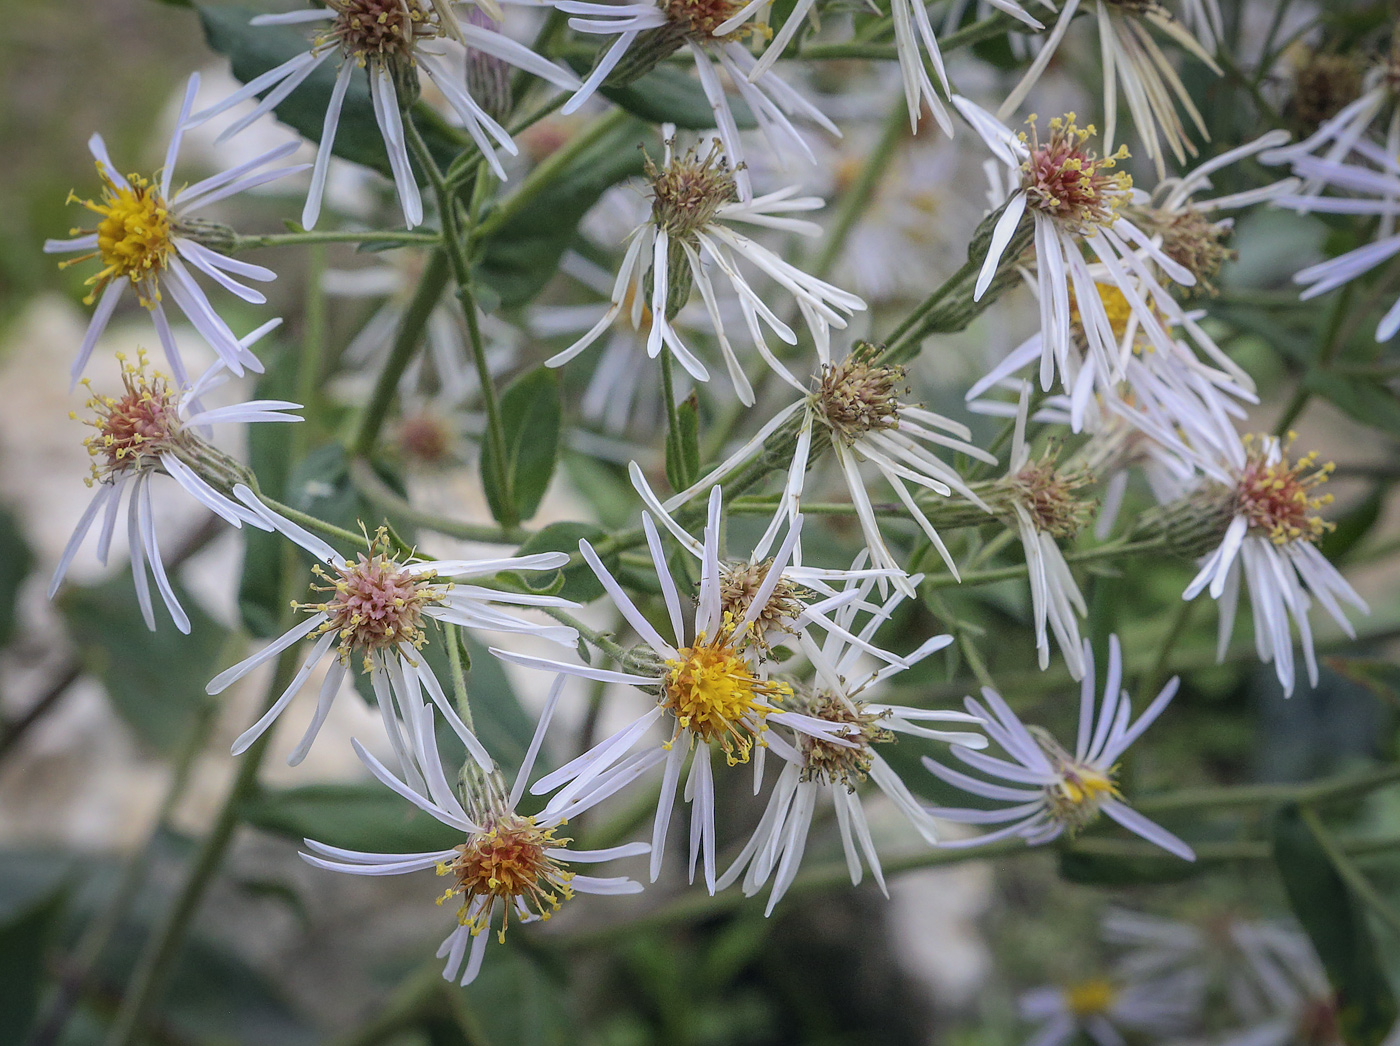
261,586
1335,921
15,565
1366,400
24,943
253,50
670,95
355,816
580,583
522,255
155,680
530,417
683,446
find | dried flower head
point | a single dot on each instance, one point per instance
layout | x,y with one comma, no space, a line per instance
1069,182
1324,84
739,584
859,395
831,763
1048,494
380,29
688,192
136,426
508,859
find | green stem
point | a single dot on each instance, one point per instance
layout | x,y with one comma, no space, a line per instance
1330,343
1310,793
157,959
368,483
452,636
311,522
1151,680
987,577
856,199
401,352
392,237
592,635
1346,868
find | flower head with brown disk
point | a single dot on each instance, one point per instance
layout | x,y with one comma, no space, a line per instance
1070,182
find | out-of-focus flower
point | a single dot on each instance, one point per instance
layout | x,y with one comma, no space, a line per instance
1048,790
154,428
1103,1009
148,238
375,610
391,40
1152,87
707,692
508,864
839,692
694,201
1271,504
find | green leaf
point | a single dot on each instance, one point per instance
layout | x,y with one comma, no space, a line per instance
517,1003
1336,923
1370,402
670,95
253,50
1100,869
155,680
521,256
24,943
1353,525
355,816
580,583
15,565
530,417
683,445
261,588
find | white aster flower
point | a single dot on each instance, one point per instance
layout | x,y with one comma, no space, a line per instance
648,32
857,403
148,238
385,38
914,39
1131,55
155,429
1373,191
1103,1009
839,693
375,610
1270,501
507,864
1075,199
1050,791
693,203
708,695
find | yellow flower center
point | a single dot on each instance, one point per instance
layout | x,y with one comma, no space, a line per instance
1074,798
715,696
1115,305
1092,998
133,237
1069,182
508,860
1278,499
134,426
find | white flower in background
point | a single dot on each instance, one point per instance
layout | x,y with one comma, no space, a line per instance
1373,191
839,693
648,32
148,238
1075,199
508,864
1295,1004
857,402
693,203
1131,55
708,695
790,600
1103,1010
1258,966
1270,501
914,39
375,611
385,37
1043,790
154,428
